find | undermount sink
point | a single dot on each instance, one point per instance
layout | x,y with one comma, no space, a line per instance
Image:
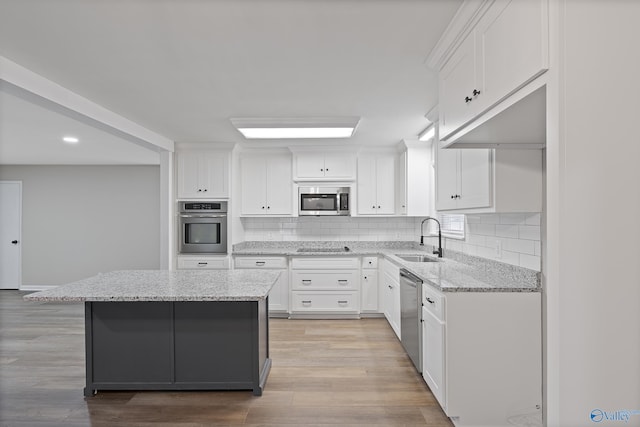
417,258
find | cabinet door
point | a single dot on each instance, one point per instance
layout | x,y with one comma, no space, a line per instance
279,185
367,185
213,171
310,165
279,295
253,172
369,290
475,178
339,165
433,333
401,184
447,178
187,165
512,42
385,185
457,82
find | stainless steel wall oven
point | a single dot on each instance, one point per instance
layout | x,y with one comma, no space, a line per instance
202,227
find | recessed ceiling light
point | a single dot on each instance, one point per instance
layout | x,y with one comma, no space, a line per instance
296,128
70,139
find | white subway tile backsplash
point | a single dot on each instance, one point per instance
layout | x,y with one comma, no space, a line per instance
529,232
518,234
515,218
510,231
530,261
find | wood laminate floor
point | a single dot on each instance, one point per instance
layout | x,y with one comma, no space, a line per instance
346,373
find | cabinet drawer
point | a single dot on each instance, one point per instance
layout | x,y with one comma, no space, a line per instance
325,302
325,279
203,263
433,301
369,262
260,262
333,263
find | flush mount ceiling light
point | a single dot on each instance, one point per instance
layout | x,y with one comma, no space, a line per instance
427,134
296,128
70,139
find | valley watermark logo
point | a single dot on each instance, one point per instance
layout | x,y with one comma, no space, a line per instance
623,415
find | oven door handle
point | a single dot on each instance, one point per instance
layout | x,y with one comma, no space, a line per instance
203,216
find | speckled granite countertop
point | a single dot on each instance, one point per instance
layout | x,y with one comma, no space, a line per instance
164,285
454,273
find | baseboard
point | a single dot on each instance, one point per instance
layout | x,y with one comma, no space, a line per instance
35,288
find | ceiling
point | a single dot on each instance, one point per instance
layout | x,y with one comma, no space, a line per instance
183,68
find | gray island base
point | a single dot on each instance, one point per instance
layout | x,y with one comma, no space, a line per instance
174,330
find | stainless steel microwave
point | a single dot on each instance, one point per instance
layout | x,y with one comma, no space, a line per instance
318,201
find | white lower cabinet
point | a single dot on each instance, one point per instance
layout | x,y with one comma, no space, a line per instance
482,355
369,283
390,294
279,295
325,286
191,262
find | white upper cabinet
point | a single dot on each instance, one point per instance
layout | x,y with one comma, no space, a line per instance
376,181
414,178
320,165
506,48
266,184
486,180
202,174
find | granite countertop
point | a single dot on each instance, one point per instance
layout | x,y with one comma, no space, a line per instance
164,285
455,272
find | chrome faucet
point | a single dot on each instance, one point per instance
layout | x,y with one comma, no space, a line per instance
439,250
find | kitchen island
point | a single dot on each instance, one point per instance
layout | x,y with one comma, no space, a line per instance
173,330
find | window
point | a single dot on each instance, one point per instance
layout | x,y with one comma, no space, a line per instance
452,225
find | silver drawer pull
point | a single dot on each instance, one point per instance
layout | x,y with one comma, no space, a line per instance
203,263
306,302
343,302
343,282
306,281
430,301
260,263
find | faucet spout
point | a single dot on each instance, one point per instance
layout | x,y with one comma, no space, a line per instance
439,250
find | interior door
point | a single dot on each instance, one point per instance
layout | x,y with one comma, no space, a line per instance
10,234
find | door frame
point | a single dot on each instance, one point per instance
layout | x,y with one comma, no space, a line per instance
19,183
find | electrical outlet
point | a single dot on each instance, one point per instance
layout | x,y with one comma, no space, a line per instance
498,249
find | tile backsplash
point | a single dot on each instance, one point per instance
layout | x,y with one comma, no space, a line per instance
509,238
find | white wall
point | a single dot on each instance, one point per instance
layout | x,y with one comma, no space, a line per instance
82,220
592,273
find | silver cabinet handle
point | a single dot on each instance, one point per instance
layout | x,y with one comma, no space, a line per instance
203,263
343,282
306,302
306,281
430,301
260,263
343,302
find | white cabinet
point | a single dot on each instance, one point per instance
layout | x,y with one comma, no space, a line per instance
414,176
487,180
376,181
463,179
266,184
325,287
433,343
196,262
369,284
500,334
279,295
202,174
390,294
316,165
506,48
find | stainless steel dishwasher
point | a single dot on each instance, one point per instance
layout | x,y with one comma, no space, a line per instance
410,315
